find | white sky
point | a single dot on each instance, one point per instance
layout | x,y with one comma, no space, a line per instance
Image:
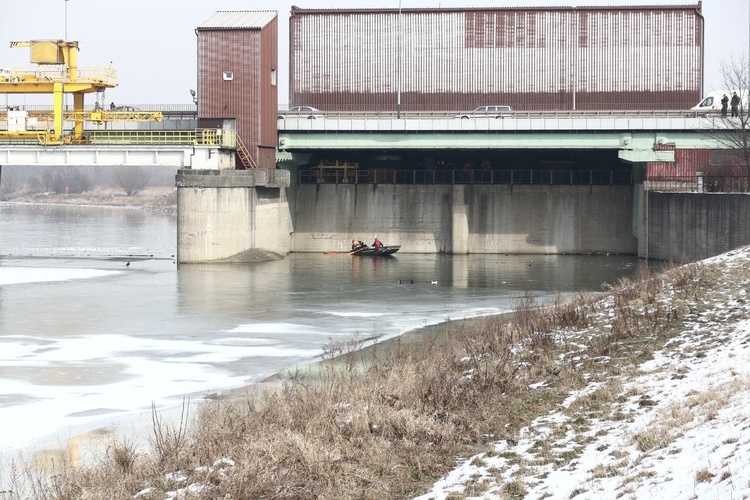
152,43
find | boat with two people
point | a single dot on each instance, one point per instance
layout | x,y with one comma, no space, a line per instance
362,249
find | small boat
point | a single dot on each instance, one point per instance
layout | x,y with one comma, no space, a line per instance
375,251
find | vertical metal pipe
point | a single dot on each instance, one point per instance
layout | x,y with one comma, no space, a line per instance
398,65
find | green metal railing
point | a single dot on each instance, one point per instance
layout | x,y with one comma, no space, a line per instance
197,137
514,176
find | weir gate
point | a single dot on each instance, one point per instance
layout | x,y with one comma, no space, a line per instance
532,183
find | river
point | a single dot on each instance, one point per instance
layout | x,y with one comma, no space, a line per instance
97,321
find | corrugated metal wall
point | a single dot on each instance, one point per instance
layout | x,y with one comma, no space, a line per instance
531,59
686,163
250,96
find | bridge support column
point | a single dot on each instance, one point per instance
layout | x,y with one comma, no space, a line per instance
232,215
460,221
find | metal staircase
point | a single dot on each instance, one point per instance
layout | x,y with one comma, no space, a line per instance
244,155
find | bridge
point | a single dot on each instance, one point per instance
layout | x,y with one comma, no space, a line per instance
633,133
487,211
197,148
176,141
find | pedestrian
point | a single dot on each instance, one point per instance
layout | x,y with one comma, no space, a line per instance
724,103
112,105
735,105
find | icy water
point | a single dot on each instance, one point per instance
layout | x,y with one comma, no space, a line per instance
87,340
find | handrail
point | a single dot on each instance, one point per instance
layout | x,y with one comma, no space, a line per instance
197,137
58,73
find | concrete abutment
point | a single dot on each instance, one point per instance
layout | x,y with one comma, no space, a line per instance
464,219
245,215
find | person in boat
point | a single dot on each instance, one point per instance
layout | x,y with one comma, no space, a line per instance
357,245
377,243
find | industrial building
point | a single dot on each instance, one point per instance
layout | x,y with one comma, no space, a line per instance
530,58
237,79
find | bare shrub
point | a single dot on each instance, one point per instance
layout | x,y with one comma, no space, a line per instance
9,184
653,438
52,180
609,470
598,400
65,180
123,455
704,476
515,489
131,179
77,181
344,354
168,440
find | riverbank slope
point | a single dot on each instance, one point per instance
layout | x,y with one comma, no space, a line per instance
639,391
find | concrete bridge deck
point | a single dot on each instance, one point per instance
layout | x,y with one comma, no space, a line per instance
633,133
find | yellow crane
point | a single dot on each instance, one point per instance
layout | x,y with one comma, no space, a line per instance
57,73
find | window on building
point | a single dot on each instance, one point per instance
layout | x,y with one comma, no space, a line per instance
273,76
229,75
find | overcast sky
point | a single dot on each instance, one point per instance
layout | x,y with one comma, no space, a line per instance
152,43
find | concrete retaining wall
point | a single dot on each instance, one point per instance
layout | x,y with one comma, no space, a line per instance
466,218
693,226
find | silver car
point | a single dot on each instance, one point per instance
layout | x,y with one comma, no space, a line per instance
301,112
487,112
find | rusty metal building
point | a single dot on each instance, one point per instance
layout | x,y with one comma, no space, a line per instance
237,79
546,58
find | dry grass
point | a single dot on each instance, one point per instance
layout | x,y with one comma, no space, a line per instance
387,422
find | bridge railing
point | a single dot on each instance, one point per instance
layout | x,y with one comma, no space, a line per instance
197,137
514,176
417,115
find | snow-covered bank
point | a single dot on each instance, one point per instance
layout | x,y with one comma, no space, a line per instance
678,429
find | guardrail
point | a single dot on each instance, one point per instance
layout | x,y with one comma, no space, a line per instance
411,115
514,176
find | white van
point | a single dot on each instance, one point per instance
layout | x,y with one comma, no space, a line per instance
711,102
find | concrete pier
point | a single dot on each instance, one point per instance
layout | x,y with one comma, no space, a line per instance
232,215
